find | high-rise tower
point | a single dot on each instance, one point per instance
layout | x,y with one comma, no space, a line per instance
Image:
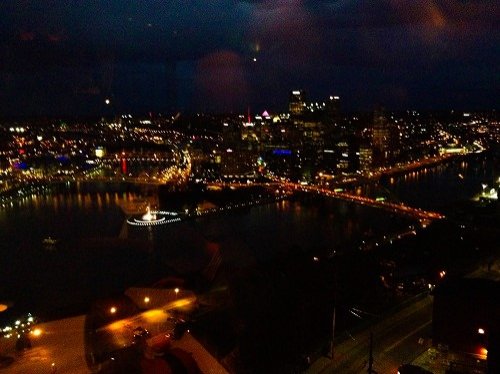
381,132
384,140
297,102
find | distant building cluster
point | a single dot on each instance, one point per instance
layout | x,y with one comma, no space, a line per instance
313,142
316,142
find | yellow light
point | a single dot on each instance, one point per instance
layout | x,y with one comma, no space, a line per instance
176,291
36,332
99,152
484,352
146,299
112,310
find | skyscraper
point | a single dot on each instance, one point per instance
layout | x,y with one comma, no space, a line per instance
381,137
333,107
365,157
297,102
385,139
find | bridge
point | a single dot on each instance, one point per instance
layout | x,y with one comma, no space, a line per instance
417,213
397,208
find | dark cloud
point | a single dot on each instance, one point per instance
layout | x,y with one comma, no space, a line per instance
378,46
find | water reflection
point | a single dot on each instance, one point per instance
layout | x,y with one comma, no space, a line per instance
437,187
245,236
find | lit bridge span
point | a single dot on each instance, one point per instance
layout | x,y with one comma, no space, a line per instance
416,213
363,200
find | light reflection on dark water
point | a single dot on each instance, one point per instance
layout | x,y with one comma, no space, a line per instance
438,187
33,275
267,230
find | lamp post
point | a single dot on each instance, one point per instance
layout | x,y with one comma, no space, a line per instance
333,330
370,358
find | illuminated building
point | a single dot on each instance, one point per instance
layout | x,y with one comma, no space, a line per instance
380,139
384,139
343,156
329,160
333,107
238,163
282,161
365,157
297,102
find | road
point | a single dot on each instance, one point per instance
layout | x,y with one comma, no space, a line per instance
396,340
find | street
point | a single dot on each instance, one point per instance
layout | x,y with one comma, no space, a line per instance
397,339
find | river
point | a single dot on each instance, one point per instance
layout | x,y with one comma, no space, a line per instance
89,261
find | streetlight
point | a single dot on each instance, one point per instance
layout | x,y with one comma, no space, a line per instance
112,310
146,299
176,292
480,331
36,332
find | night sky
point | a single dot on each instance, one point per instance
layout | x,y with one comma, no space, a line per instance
65,57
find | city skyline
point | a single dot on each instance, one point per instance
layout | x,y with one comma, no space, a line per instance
225,56
249,186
